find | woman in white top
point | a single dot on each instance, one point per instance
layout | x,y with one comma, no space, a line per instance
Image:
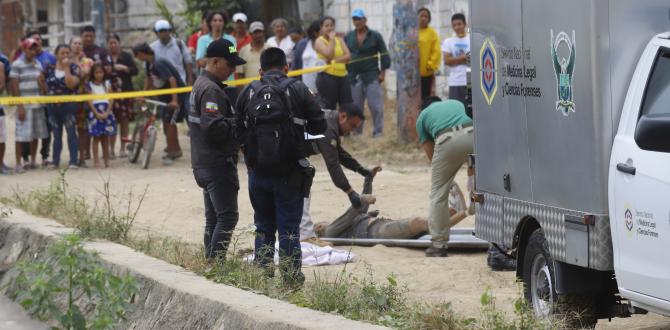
281,38
306,57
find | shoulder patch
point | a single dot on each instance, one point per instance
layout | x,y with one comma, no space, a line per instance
211,107
333,143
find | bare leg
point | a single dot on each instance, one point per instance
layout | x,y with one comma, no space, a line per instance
33,152
96,158
104,140
172,135
123,128
2,155
18,152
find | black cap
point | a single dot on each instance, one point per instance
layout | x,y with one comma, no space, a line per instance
225,49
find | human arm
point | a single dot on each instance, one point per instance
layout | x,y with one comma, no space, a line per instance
450,60
326,50
41,82
347,54
2,77
240,115
428,147
174,102
215,126
14,91
328,147
435,54
188,63
109,90
72,77
200,59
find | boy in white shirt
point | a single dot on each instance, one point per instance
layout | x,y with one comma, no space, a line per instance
456,51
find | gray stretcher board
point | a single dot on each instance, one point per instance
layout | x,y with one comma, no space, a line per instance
461,238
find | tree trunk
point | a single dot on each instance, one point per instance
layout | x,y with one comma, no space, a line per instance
405,51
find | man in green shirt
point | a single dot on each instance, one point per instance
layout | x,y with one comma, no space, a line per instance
366,72
446,135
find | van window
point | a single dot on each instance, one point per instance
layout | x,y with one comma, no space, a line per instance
657,95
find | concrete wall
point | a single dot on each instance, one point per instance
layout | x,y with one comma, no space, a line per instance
170,297
380,18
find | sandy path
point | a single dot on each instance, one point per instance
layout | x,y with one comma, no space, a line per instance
173,206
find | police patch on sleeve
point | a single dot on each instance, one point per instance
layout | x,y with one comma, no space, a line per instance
211,107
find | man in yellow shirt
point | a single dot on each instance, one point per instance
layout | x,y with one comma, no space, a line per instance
252,52
429,53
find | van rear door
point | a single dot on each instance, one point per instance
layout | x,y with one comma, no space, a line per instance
640,182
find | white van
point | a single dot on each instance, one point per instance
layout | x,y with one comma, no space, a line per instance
571,107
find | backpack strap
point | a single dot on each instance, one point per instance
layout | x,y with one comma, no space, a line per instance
284,85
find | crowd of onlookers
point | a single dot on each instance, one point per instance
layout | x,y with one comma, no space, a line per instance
98,131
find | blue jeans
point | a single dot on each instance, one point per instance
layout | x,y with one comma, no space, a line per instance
375,96
64,115
277,209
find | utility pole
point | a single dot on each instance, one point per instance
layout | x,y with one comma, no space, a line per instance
405,51
98,19
67,18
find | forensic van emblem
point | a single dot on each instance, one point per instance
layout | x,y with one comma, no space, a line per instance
564,68
628,218
489,70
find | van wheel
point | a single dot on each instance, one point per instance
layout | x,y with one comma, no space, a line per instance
539,278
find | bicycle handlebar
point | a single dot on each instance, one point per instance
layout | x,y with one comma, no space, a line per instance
156,103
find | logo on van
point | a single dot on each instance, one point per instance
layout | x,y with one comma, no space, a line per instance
628,216
489,70
564,68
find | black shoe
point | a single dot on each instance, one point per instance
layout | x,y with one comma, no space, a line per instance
498,261
433,252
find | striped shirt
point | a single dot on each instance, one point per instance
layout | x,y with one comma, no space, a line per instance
27,73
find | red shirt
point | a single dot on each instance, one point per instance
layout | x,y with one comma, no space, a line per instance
241,42
193,40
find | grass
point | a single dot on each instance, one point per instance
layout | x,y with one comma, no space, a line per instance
359,298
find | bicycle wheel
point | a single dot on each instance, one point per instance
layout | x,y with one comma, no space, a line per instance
135,145
149,146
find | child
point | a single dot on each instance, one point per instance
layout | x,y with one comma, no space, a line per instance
101,122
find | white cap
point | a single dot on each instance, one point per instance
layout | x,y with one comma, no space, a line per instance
240,17
162,25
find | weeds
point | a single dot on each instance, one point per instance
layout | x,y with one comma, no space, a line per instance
100,220
363,298
72,271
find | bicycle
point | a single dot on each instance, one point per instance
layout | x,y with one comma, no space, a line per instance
145,133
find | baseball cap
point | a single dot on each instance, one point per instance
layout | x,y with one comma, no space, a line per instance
162,25
358,13
28,42
256,26
240,17
225,49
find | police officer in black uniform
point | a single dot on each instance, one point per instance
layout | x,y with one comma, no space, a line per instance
278,200
214,148
342,123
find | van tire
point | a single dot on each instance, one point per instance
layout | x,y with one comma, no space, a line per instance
574,310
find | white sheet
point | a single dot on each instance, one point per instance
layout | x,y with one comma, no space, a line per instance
313,255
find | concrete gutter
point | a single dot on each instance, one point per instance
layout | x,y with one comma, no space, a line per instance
170,296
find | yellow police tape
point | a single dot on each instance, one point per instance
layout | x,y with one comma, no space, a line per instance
16,100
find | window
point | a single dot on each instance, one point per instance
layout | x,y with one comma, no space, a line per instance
653,126
657,96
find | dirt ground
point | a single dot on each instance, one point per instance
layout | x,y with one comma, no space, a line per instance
174,207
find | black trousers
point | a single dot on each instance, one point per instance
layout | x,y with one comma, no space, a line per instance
220,186
426,86
333,90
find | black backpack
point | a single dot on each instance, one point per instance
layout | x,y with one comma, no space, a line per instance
272,142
